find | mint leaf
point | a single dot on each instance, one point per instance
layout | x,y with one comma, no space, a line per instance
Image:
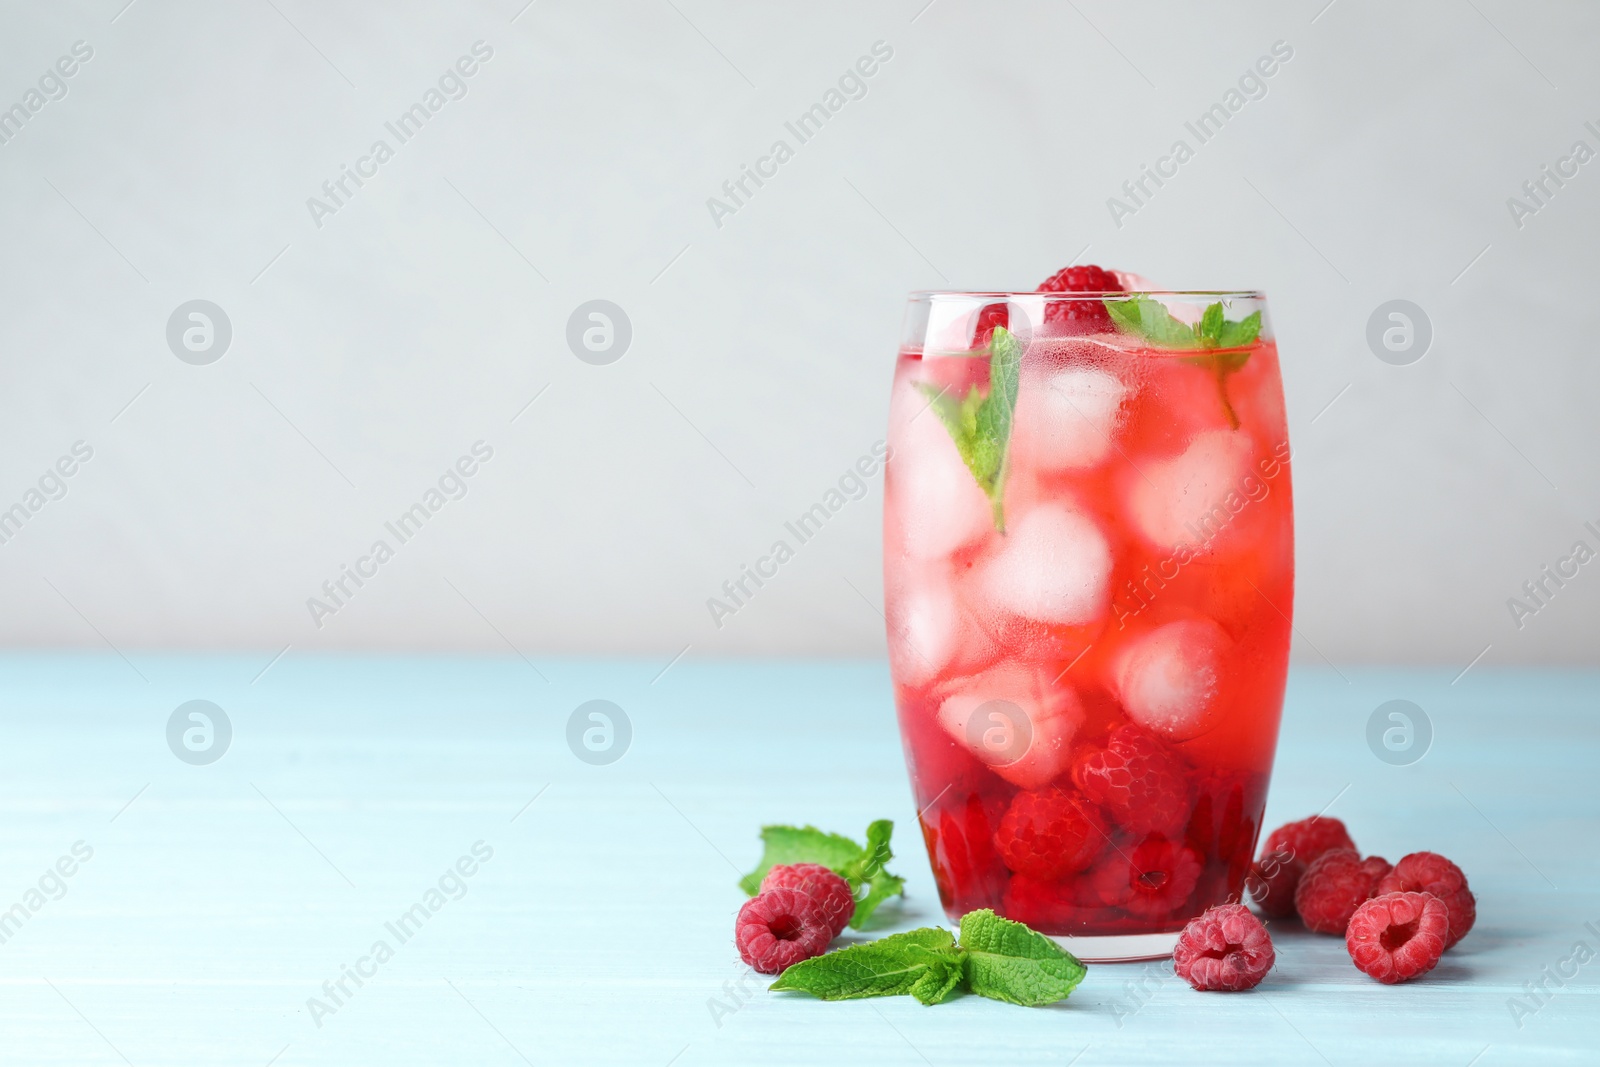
1147,318
880,888
1237,334
1007,961
980,424
856,865
803,844
923,963
868,869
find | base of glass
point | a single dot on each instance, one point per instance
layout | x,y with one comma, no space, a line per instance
1119,948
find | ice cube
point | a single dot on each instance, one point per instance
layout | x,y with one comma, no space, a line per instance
1168,677
924,631
1192,498
935,499
1053,565
1066,417
1016,721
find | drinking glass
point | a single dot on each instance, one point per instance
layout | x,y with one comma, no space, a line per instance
1088,579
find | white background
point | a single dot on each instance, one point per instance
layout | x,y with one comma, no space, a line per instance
368,354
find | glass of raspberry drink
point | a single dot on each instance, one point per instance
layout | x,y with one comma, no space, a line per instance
1088,572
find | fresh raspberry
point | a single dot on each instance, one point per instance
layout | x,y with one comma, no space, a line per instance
989,316
1227,948
1288,852
1222,829
830,892
1049,907
1397,936
1080,316
1152,882
779,928
1429,872
959,834
1335,884
1136,779
1049,833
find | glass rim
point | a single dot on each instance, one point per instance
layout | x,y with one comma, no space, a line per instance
1237,294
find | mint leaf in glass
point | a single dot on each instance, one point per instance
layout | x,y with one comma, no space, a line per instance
860,867
1007,961
924,963
1226,340
980,423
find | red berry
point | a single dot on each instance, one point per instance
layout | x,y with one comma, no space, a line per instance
1049,907
1136,779
989,316
1151,882
1334,885
830,892
1429,872
1049,833
960,839
1288,852
779,928
1080,316
1227,948
1397,936
1309,838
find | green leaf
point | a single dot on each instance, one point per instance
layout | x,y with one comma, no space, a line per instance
868,869
980,424
1148,318
1238,334
1007,961
923,963
802,844
880,888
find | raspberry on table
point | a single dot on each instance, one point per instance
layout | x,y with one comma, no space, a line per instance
1286,855
779,928
1080,316
1397,936
1334,885
1429,872
827,889
1049,833
1227,948
1153,881
1138,781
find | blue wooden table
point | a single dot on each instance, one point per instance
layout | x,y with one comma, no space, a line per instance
539,908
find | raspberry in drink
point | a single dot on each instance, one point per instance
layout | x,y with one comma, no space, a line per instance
1088,568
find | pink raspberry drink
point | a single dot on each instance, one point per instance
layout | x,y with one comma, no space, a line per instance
1088,572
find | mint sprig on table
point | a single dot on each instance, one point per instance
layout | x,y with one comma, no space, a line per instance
980,423
860,866
995,958
1225,341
